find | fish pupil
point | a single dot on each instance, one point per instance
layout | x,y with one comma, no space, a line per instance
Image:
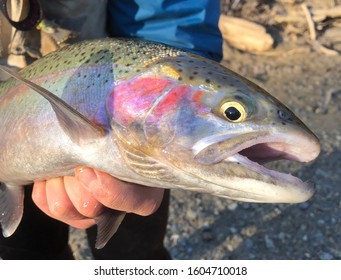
232,113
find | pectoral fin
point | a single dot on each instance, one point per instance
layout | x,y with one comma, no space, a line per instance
11,208
78,127
137,157
107,224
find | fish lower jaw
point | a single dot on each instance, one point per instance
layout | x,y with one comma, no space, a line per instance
288,188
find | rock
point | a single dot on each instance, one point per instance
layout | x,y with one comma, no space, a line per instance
232,206
233,242
269,243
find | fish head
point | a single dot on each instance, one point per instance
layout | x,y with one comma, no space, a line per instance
215,125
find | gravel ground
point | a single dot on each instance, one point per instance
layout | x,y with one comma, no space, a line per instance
309,83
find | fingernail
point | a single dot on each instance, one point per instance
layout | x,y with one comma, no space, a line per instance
87,177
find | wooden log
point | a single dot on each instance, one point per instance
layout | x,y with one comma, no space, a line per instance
245,35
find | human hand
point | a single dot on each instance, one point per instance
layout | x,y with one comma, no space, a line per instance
77,200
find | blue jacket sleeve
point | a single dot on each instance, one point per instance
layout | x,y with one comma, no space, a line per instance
188,24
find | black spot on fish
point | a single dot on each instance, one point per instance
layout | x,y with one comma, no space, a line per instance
209,73
180,78
191,77
273,123
179,70
98,75
207,80
238,97
87,61
106,81
284,123
85,76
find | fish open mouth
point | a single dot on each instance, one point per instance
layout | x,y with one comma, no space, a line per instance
251,151
255,156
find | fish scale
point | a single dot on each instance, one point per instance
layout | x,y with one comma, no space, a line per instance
149,114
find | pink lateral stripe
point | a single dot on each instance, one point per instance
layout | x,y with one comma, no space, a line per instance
133,98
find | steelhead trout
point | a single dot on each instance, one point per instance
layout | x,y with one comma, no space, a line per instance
149,114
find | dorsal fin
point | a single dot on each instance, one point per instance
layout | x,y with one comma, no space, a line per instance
79,128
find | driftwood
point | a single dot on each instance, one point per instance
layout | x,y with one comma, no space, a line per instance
245,35
311,25
317,15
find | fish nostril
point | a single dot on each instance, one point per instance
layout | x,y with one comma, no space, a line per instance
283,115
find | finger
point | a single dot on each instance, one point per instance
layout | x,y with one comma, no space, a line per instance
39,197
81,198
61,207
120,195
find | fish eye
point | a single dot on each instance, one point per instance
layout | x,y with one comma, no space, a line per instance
233,111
